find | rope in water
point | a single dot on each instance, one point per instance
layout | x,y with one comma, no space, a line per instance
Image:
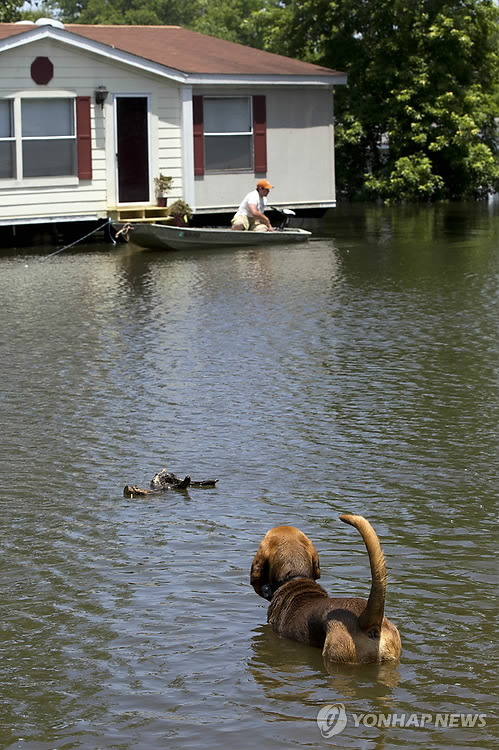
72,244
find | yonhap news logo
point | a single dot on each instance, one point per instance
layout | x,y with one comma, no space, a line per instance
333,718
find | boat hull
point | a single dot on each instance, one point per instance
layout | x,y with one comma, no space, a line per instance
166,237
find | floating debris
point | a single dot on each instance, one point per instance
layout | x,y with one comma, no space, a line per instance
164,481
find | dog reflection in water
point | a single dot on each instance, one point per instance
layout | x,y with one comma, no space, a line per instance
349,630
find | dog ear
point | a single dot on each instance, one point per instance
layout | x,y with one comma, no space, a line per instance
315,565
259,575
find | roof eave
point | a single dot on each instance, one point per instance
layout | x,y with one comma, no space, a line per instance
247,79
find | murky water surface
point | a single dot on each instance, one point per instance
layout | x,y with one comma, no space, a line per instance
356,373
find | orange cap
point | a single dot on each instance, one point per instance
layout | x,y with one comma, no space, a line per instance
264,184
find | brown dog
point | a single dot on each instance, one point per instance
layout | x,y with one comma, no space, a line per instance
348,630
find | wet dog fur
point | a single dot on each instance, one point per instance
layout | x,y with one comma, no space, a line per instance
349,630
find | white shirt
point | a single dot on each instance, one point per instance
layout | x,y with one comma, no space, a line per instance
256,200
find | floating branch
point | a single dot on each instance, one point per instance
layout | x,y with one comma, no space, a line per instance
164,481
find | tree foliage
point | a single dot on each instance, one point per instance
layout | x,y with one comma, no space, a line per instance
10,11
125,12
419,117
232,20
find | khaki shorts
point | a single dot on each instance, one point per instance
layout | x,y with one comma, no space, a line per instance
253,225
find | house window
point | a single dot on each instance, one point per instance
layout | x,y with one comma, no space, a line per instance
45,137
7,140
228,132
48,137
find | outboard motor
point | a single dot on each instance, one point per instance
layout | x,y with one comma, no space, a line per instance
285,215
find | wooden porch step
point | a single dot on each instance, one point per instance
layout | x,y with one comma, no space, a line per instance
140,214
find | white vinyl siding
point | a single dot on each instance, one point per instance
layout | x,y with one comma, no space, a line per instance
300,153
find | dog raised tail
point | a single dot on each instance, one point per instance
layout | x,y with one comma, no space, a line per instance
372,617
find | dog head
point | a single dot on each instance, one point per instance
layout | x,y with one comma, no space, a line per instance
284,553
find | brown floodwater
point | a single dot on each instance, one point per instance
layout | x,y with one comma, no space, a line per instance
354,373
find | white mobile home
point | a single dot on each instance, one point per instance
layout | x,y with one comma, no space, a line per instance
91,115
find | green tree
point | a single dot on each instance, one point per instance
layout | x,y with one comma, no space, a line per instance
230,19
10,11
127,12
418,118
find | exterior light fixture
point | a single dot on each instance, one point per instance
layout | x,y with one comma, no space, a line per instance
101,93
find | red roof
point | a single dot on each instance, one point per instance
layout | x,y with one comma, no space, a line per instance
184,50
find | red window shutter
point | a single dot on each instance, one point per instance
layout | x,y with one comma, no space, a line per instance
260,134
198,129
84,137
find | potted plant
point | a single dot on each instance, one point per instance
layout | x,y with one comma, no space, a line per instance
163,185
181,212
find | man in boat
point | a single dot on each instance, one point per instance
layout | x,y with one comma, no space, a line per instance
251,213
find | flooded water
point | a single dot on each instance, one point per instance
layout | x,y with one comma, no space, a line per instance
356,373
